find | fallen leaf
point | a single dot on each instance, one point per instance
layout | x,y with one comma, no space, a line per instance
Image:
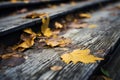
78,25
45,23
92,26
62,4
25,57
73,3
56,32
106,78
9,55
35,15
69,18
78,55
57,41
12,61
52,6
85,15
58,25
13,1
22,10
56,68
105,72
28,41
29,31
45,27
26,1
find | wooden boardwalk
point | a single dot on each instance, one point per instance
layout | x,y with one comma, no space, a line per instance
37,66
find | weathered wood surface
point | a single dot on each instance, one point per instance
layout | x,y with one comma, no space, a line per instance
37,66
13,23
8,4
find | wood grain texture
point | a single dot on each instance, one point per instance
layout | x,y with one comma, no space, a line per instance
37,66
13,23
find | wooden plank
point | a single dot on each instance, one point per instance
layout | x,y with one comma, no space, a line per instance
13,23
8,4
37,66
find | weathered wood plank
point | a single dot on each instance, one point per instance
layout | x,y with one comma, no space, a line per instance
8,4
37,66
13,23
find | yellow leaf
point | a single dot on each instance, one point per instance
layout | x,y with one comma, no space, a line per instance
45,27
58,25
78,55
28,41
29,31
66,58
92,26
35,15
85,15
47,32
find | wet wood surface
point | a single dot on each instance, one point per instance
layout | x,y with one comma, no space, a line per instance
102,37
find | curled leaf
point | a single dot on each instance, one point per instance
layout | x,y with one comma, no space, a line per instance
78,55
45,27
28,41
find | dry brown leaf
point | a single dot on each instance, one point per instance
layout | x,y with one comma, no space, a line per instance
78,25
9,55
62,4
56,68
78,55
56,32
92,26
58,25
58,41
11,59
69,18
85,15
